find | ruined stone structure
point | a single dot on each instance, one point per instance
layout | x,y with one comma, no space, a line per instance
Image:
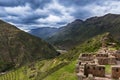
95,70
102,58
112,60
101,55
117,56
77,68
94,65
105,59
86,57
116,72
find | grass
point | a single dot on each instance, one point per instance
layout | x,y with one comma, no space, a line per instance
108,69
65,73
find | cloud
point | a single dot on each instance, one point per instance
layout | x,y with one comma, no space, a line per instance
58,14
109,6
28,14
34,3
97,8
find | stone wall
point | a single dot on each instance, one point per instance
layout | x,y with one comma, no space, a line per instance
112,61
101,55
117,55
103,61
95,70
86,57
116,72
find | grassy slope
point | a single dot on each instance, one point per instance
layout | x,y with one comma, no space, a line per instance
18,47
65,73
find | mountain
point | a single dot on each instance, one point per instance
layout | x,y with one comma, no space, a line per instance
43,32
79,31
18,47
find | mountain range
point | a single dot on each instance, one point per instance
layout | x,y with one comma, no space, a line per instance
43,32
79,31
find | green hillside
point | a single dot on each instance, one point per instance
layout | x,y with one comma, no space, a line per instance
18,47
65,73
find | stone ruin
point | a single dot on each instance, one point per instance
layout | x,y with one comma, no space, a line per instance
86,57
105,59
115,72
95,70
117,55
93,65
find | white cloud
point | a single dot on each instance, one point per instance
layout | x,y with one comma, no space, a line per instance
54,18
51,18
18,10
108,6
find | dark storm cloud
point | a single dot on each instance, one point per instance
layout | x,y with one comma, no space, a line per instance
31,19
10,3
76,2
82,14
39,3
34,3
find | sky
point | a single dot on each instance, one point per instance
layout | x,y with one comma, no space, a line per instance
31,14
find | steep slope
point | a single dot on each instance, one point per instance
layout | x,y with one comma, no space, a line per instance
43,32
18,48
80,31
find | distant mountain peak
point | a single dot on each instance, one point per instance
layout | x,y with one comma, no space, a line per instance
110,14
79,20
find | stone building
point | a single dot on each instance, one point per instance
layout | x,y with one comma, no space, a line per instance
115,72
94,64
112,60
104,59
117,56
86,57
95,70
101,55
77,68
